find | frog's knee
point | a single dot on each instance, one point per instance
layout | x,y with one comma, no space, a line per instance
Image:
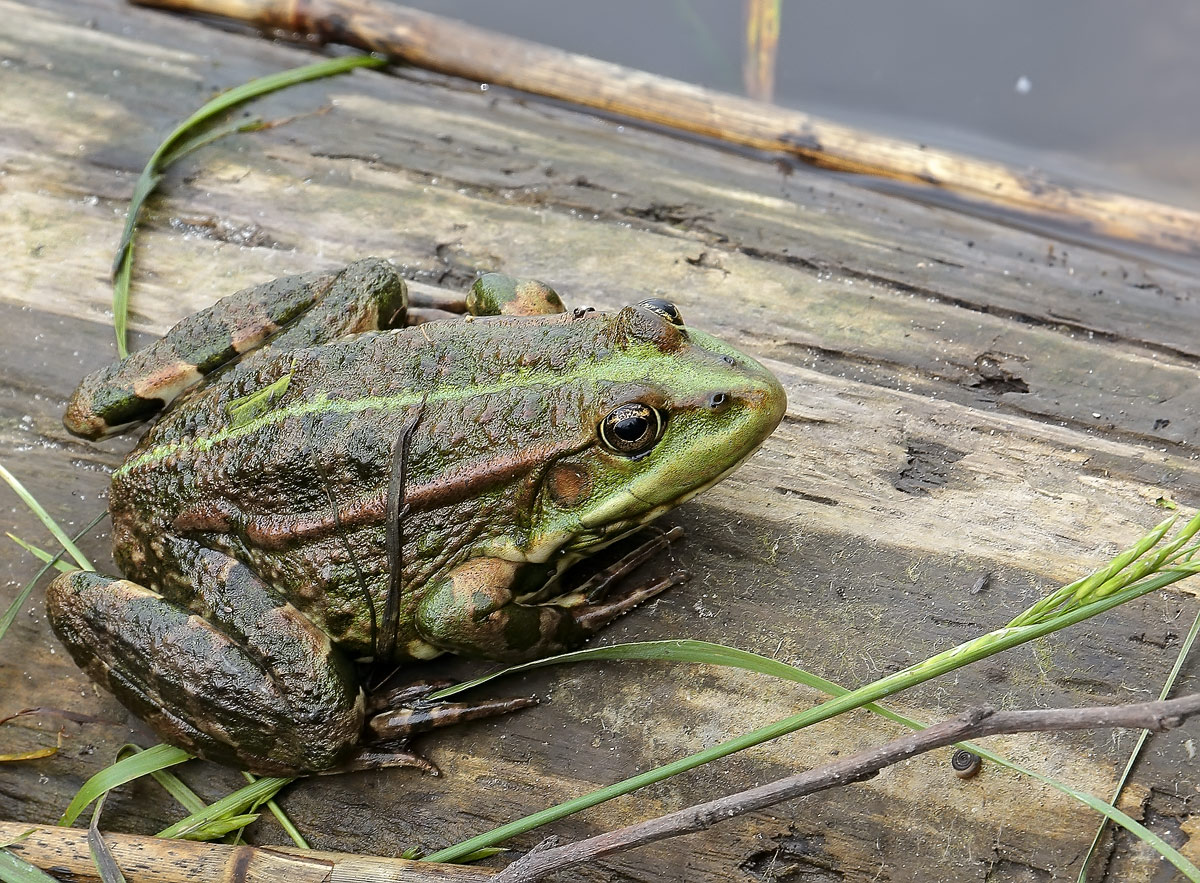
80,602
467,606
366,296
495,294
473,613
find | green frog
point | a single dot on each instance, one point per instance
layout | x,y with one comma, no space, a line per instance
345,475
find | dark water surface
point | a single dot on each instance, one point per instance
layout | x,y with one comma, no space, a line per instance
1094,91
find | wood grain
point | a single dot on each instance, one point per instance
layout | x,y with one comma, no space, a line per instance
452,47
66,852
964,400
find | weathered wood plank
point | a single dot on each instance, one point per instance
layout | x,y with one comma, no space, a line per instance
435,43
910,464
149,860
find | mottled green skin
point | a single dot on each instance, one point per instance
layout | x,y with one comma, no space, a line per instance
265,489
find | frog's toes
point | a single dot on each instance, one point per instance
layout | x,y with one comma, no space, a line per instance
598,585
378,757
388,732
381,700
594,616
403,721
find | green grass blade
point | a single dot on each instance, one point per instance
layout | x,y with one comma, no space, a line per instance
234,804
24,835
218,828
156,758
22,596
121,299
698,652
16,870
701,652
480,854
286,823
184,796
972,651
44,516
182,141
42,555
207,137
718,654
1087,584
106,865
171,783
1161,846
1168,685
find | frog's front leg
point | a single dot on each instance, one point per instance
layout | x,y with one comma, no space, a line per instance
243,679
474,612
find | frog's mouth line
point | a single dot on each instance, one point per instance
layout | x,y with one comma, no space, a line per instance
592,539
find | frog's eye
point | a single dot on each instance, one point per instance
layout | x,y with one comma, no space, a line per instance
631,429
664,308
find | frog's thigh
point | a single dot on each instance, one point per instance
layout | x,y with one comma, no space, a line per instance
366,296
472,612
255,685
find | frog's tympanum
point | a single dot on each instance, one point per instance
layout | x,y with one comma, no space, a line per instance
334,483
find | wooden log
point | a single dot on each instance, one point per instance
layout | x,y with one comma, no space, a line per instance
455,48
965,400
65,853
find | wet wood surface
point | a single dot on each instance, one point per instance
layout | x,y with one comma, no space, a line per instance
976,414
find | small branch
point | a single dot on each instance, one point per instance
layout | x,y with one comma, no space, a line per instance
440,44
65,852
973,724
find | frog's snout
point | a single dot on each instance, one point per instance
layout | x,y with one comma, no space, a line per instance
760,406
713,437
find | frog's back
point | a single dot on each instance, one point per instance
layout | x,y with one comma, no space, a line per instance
293,462
339,407
285,459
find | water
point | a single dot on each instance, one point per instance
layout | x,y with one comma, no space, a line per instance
1094,91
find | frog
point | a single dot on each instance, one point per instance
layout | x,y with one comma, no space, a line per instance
342,477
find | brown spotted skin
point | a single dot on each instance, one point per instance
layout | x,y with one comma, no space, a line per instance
251,521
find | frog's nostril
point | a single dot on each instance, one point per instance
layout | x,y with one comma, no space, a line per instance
717,401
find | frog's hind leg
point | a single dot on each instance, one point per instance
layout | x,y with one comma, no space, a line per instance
245,679
313,308
368,295
395,716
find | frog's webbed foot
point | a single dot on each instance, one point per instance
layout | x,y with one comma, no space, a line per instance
395,716
379,757
403,721
591,604
592,617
